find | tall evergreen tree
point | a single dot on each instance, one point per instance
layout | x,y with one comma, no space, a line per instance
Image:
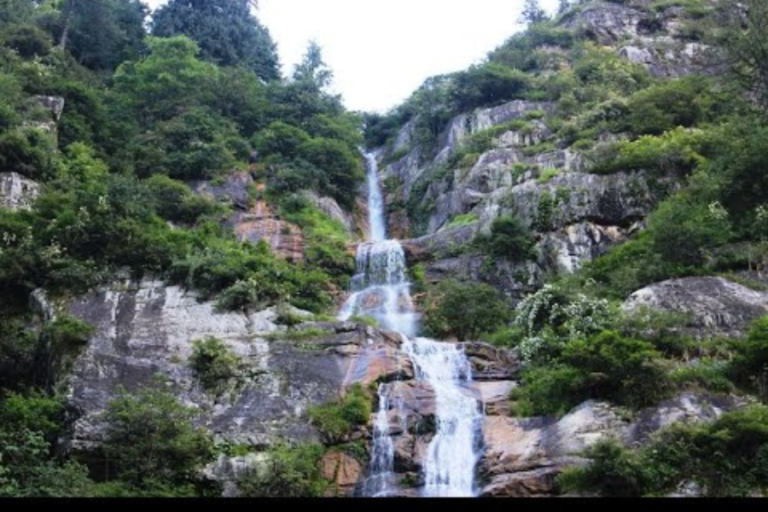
533,13
226,30
103,33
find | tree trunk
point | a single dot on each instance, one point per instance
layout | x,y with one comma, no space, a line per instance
71,6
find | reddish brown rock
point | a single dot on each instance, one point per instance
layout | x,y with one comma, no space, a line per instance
343,470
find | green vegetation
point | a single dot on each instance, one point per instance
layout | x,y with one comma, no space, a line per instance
336,420
464,310
226,31
463,220
290,472
509,239
214,364
739,439
152,446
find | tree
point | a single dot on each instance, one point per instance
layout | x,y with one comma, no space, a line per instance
226,30
746,43
563,6
313,69
168,80
119,37
533,13
151,438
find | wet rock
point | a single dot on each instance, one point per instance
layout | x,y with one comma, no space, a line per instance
17,192
494,396
714,305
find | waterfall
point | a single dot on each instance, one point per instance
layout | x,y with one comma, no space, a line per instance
381,290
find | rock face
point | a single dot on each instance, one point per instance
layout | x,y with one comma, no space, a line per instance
715,306
146,329
524,456
254,219
17,192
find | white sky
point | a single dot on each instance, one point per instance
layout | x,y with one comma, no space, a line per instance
381,51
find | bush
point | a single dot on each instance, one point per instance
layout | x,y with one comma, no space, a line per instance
750,366
175,201
602,367
197,144
28,153
281,139
289,473
337,420
662,107
28,40
465,311
342,167
214,364
488,84
151,439
509,239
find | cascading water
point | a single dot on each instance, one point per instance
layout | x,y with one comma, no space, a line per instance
381,290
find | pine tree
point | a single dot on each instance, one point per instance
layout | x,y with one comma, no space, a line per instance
533,13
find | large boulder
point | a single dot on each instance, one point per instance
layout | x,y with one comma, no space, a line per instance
715,306
523,456
17,192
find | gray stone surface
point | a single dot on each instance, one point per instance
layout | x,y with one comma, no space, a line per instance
714,305
17,192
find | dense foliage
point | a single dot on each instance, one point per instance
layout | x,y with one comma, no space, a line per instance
147,118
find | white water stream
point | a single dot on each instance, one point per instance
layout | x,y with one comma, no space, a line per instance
381,290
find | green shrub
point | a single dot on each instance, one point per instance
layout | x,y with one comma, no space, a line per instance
175,201
603,367
509,239
151,441
215,364
28,40
706,374
69,331
488,84
337,420
465,311
750,366
281,139
341,165
290,472
28,153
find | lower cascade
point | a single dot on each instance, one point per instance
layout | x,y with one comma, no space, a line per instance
382,291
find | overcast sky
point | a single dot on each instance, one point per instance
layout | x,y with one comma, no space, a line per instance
381,51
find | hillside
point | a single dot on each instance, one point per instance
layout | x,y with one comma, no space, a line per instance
582,219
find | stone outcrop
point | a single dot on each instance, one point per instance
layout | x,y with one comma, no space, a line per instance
714,306
524,455
17,192
344,471
254,219
146,329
